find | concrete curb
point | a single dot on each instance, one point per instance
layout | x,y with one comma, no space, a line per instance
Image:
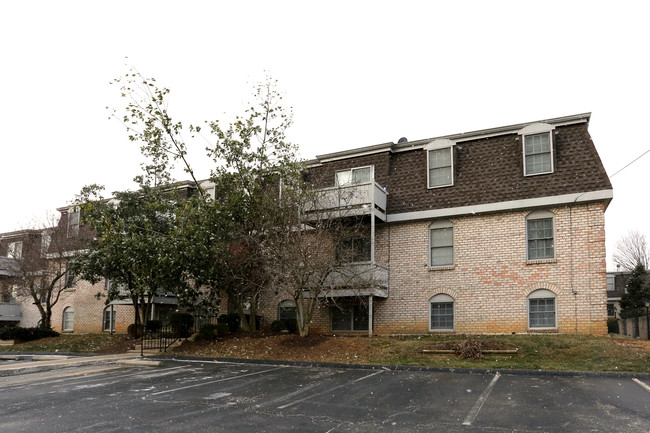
139,363
558,373
32,363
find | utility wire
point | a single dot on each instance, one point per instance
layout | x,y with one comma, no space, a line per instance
630,163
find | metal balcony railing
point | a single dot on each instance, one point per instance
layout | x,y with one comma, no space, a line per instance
355,199
357,279
10,312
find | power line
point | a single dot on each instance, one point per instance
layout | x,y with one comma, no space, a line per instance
630,163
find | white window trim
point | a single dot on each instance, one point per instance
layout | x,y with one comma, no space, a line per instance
534,129
539,215
351,169
15,250
111,310
73,211
442,297
285,305
443,224
439,145
67,310
541,294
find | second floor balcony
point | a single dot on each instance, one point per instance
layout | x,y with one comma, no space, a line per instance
10,312
367,198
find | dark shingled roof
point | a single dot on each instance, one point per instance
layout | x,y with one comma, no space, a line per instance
486,170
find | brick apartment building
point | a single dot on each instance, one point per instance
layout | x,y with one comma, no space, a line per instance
493,231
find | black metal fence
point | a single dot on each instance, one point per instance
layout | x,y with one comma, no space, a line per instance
163,337
159,340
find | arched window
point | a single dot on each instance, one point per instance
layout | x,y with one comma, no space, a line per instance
540,235
542,310
68,319
286,310
109,319
442,313
441,244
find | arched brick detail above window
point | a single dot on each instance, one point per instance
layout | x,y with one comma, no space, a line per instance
542,285
450,292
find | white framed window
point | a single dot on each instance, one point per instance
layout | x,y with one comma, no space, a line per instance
611,309
68,319
5,296
611,283
354,250
73,221
442,313
349,318
542,310
287,310
540,236
355,175
537,145
15,250
440,167
441,244
109,319
46,240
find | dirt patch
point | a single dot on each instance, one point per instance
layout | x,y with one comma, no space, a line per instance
283,347
483,345
631,342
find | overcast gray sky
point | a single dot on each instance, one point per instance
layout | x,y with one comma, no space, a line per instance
357,73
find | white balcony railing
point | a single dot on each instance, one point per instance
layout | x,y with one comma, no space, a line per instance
356,199
9,312
357,279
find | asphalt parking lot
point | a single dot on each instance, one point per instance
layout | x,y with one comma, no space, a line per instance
201,396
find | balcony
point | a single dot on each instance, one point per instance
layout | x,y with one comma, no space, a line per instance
367,198
10,312
357,279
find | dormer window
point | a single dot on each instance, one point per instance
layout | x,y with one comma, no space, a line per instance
354,176
440,163
73,221
15,250
537,149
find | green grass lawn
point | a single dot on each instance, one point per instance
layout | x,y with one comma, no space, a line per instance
536,352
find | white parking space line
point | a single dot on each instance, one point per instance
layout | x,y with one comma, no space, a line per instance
329,390
641,384
215,381
288,396
44,378
481,400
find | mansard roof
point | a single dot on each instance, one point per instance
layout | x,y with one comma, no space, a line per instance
488,168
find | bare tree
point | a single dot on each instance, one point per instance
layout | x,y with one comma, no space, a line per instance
632,250
321,251
42,272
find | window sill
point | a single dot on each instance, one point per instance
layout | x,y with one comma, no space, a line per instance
538,174
442,268
442,331
440,186
540,261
